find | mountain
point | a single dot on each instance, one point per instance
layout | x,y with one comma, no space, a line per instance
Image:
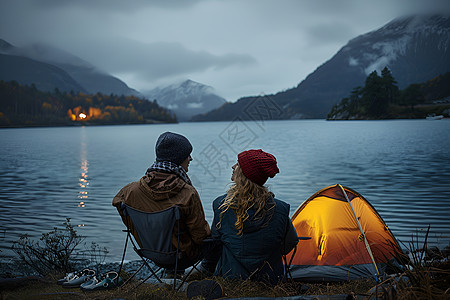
44,76
414,48
88,78
186,99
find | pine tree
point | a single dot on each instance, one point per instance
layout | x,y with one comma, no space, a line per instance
373,97
389,86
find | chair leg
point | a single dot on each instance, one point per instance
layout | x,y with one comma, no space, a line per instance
123,256
134,274
185,277
153,272
176,260
150,276
144,263
287,265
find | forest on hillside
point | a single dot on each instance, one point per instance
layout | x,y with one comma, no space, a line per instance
27,106
380,98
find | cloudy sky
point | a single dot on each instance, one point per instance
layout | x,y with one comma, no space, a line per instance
239,47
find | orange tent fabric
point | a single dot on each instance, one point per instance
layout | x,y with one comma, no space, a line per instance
336,241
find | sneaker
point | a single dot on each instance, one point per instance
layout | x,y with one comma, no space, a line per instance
72,275
69,276
108,281
79,279
87,284
208,289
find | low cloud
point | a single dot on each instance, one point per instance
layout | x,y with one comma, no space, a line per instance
353,62
160,59
332,31
115,5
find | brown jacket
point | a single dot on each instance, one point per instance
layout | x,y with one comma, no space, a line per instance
158,191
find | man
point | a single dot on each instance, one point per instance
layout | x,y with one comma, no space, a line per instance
166,184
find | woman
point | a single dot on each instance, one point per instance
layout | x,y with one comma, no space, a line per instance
254,227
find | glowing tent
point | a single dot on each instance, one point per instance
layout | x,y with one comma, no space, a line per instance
349,239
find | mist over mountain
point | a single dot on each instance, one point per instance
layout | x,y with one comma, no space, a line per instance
44,65
186,99
414,48
44,76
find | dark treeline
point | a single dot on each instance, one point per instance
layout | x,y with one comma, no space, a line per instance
380,98
27,106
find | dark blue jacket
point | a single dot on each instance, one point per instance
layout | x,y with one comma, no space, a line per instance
257,253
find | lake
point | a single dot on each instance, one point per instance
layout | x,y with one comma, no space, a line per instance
401,167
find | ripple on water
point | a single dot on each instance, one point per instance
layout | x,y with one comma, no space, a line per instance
400,167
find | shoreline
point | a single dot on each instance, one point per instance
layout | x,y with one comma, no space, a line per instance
160,123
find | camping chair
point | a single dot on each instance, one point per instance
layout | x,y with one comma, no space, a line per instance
155,232
287,264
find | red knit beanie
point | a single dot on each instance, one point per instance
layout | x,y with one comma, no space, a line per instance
258,165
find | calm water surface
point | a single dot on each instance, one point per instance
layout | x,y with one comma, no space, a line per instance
50,174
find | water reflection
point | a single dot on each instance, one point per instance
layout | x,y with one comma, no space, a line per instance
83,180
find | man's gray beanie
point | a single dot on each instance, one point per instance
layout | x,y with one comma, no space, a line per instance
172,147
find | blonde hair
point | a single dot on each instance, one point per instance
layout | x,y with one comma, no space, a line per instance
244,195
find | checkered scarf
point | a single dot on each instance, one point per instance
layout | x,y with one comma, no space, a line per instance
170,167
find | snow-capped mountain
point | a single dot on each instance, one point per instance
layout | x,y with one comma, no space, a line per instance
44,59
414,48
412,40
186,99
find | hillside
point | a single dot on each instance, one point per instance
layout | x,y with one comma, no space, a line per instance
41,64
27,106
44,76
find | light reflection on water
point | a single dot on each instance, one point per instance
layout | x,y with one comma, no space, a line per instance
50,174
83,181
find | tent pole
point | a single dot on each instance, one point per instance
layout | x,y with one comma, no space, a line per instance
362,232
